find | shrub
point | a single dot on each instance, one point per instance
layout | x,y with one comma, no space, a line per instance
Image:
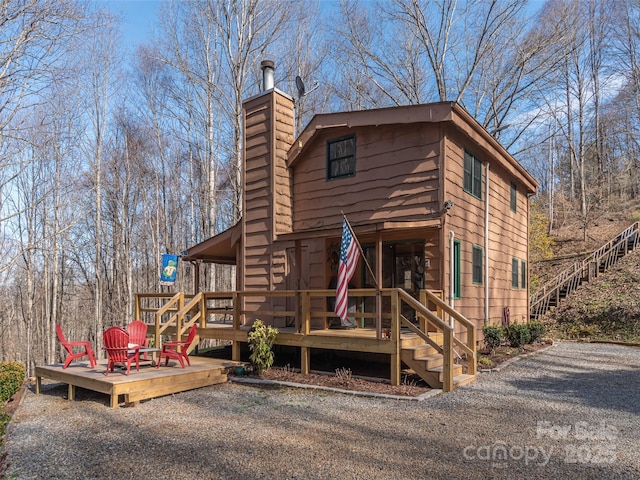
540,242
261,338
518,335
344,375
12,376
493,336
485,361
536,331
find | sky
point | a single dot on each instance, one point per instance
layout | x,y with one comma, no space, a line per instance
139,16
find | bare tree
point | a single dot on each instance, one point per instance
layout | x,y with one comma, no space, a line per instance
97,88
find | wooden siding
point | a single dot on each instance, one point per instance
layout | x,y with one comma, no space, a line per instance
282,188
404,172
508,234
268,127
397,178
509,238
466,221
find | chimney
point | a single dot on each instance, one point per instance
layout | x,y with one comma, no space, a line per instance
267,67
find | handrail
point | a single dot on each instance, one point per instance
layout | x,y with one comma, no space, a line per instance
178,299
178,318
447,331
447,334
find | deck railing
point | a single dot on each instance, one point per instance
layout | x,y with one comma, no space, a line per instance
181,311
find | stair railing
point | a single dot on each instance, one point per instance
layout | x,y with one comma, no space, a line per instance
193,309
450,342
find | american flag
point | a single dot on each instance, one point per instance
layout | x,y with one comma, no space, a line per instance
349,255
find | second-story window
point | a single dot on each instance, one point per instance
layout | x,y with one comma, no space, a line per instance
472,175
341,157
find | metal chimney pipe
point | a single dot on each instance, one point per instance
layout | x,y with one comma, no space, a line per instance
267,67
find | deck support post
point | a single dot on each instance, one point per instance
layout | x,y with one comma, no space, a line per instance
447,354
396,362
379,277
298,319
235,351
305,360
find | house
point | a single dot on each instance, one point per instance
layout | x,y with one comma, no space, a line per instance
435,201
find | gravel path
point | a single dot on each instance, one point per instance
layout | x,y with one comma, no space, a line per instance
571,412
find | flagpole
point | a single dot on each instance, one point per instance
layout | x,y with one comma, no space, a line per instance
375,280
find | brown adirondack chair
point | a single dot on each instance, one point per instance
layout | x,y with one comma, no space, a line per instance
179,349
75,349
119,349
137,331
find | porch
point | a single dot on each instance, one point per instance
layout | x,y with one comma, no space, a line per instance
425,335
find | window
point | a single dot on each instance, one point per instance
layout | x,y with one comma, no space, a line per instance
514,197
456,269
518,267
472,175
341,157
514,273
476,267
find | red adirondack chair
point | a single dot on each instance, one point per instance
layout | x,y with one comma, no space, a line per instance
137,331
119,349
178,350
85,349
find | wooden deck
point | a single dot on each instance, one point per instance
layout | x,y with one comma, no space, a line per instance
148,382
356,339
415,341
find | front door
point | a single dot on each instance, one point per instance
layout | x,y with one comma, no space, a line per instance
402,267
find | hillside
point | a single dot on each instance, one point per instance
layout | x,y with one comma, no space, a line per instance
607,308
570,247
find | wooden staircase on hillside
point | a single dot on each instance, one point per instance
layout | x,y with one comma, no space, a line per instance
553,292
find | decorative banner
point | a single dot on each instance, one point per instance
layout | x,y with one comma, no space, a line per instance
169,269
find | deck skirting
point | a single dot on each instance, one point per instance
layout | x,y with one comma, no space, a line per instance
148,382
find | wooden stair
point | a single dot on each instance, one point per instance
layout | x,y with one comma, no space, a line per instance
425,361
553,292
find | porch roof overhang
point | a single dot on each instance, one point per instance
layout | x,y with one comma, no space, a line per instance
372,228
220,248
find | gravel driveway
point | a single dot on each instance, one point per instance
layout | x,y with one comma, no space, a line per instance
570,412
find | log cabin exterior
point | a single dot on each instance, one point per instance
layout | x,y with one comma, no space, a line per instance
436,203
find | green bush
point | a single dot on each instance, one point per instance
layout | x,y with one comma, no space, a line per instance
518,335
493,336
261,338
536,331
12,376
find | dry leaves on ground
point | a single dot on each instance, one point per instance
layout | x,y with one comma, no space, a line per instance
411,386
